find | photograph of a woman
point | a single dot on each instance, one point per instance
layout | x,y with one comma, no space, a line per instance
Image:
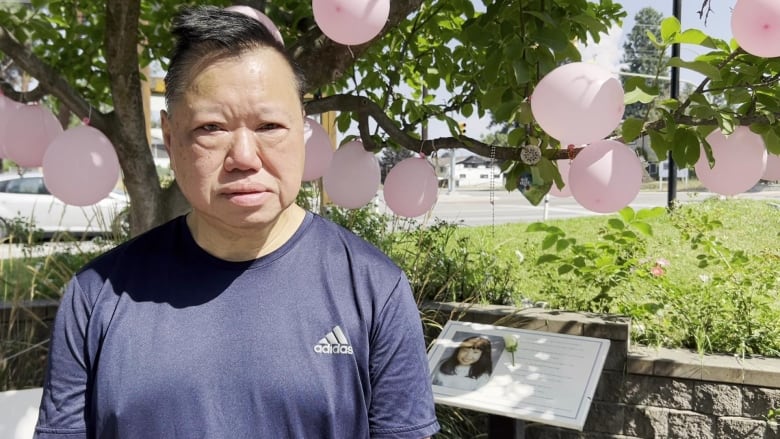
469,367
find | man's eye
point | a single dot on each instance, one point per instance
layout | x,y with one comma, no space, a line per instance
210,127
269,127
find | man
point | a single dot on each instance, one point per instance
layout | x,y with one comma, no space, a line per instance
249,317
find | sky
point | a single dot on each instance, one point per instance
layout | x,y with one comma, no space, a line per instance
609,51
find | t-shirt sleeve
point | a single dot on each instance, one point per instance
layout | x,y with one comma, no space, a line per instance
62,412
402,400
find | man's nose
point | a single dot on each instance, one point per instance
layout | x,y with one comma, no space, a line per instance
244,152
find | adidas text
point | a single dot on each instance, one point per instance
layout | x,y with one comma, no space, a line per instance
333,349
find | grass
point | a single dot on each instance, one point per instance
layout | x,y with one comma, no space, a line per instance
749,225
733,243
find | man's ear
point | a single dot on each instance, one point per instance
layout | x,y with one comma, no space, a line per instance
166,131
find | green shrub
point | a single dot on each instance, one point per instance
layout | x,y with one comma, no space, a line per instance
725,302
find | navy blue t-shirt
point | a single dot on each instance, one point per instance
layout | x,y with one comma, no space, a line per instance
159,339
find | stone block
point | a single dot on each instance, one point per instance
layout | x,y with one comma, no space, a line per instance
639,365
764,372
740,428
722,369
717,399
772,430
668,367
616,356
617,330
658,392
689,425
571,434
757,401
605,418
645,422
610,387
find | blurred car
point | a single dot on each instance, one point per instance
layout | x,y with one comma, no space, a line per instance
25,200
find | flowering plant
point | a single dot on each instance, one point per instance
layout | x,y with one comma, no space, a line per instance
511,343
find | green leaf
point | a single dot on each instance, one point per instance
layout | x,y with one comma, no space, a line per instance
659,143
549,241
344,122
562,244
565,268
631,129
687,147
694,36
704,68
516,136
547,258
522,74
643,228
524,114
637,90
669,27
616,224
772,142
536,227
627,213
638,95
646,214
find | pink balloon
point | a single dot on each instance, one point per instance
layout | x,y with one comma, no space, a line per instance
563,168
7,108
80,166
259,16
30,129
772,172
319,150
411,187
351,22
756,26
353,177
740,161
578,102
605,176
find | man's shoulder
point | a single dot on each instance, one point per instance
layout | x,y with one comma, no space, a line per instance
137,250
327,227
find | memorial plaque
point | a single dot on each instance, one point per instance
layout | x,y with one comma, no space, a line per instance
551,379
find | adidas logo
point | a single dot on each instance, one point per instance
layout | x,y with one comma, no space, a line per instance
334,342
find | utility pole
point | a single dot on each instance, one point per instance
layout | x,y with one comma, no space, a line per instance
674,94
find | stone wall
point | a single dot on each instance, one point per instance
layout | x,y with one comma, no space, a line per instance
650,393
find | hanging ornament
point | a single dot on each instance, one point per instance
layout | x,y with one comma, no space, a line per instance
530,154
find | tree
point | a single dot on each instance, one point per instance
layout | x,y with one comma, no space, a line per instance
391,157
642,57
86,57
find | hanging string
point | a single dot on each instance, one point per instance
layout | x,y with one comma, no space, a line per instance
87,119
493,189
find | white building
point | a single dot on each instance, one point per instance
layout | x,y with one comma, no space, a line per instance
470,171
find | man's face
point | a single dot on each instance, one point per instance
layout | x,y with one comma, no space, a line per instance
235,139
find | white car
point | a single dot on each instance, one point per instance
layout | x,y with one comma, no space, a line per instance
25,199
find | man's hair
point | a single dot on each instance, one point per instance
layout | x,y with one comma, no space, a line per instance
209,31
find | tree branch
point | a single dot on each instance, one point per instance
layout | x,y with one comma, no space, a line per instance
50,82
325,61
33,95
365,108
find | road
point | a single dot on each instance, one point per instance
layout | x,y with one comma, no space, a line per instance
473,208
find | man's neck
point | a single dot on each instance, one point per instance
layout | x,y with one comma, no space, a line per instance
245,244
